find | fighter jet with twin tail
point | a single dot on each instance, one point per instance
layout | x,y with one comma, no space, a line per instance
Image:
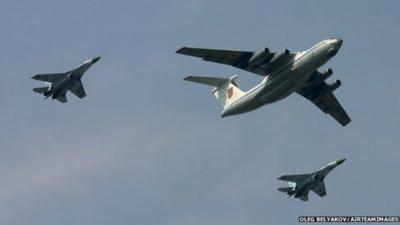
59,83
301,184
283,74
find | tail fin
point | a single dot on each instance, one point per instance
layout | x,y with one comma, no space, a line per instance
225,89
41,90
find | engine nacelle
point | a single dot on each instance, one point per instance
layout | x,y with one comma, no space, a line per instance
287,52
327,73
322,76
259,57
279,58
333,86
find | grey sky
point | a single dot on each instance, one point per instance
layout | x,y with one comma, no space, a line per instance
145,147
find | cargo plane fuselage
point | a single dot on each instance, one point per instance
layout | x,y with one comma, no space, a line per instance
288,78
283,73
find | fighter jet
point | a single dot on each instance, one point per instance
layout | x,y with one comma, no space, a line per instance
59,83
300,185
283,74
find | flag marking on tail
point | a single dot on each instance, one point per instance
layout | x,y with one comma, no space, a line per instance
230,92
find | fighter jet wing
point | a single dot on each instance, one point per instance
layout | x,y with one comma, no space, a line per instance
326,101
78,89
320,189
304,197
229,57
294,178
62,98
52,78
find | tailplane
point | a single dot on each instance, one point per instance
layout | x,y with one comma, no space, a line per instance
285,189
225,89
41,90
288,190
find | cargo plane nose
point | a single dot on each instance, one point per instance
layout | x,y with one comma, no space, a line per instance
335,44
339,42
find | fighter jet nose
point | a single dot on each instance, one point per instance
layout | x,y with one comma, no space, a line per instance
340,161
95,59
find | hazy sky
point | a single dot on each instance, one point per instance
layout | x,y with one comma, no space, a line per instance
146,148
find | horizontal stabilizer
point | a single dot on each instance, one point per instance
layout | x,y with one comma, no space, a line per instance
212,81
41,90
225,89
285,189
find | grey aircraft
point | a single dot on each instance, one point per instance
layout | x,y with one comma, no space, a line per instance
301,184
59,83
283,73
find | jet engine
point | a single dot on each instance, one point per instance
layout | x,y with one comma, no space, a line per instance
259,57
323,76
328,88
333,86
327,73
279,58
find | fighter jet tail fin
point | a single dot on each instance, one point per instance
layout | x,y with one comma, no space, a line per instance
41,90
225,89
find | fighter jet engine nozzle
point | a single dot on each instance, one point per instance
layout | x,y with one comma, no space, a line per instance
259,57
335,85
